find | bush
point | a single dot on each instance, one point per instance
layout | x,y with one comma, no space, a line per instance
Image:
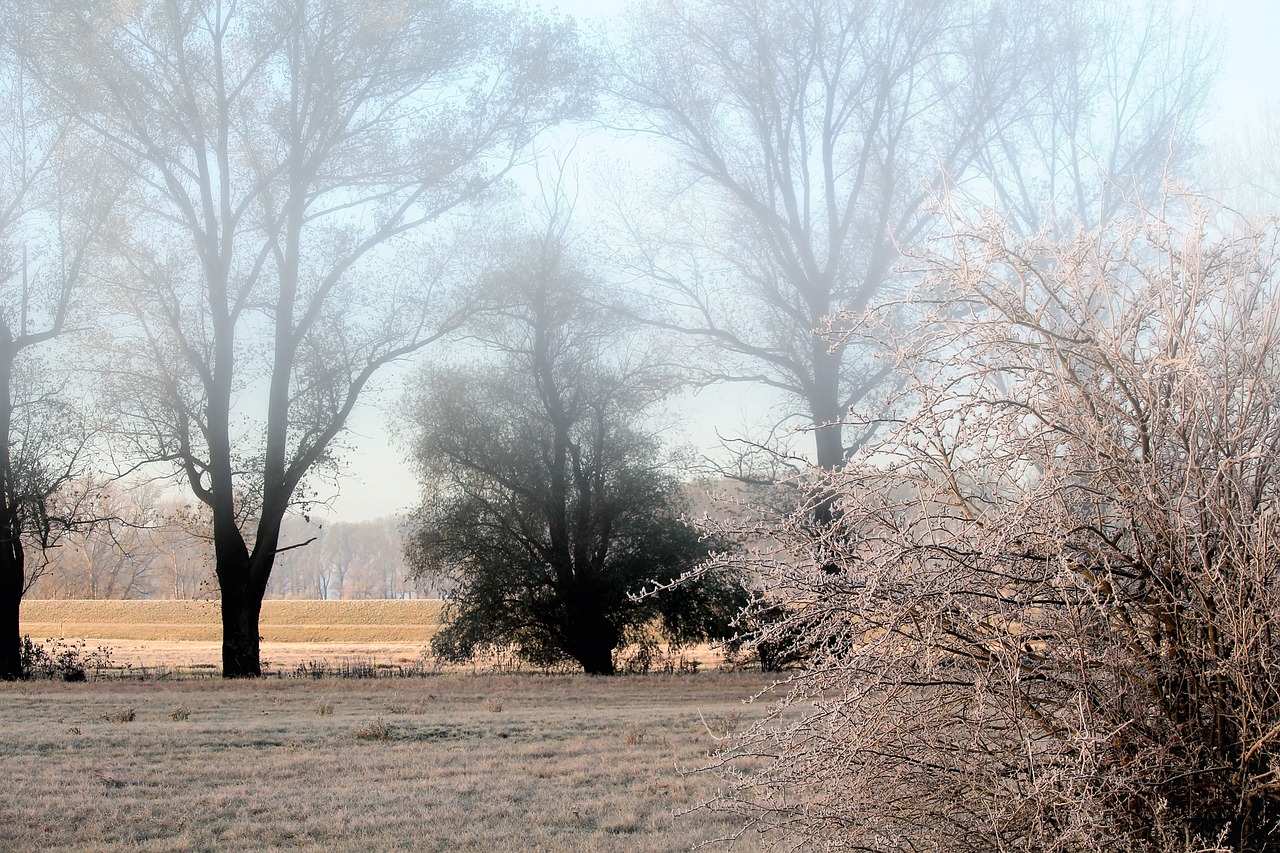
62,659
375,729
1045,615
120,715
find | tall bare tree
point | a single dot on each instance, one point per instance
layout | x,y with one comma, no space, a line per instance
288,149
48,216
814,135
1056,624
350,560
1110,113
1242,166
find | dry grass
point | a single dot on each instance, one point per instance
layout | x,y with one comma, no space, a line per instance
120,715
179,654
199,621
571,763
375,729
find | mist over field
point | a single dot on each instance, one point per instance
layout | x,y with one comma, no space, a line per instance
552,378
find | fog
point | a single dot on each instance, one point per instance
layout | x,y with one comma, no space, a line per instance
379,482
260,253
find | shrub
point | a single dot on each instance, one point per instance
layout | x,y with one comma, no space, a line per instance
634,734
1045,613
58,658
120,715
375,729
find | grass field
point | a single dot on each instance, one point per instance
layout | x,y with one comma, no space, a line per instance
449,762
199,621
186,635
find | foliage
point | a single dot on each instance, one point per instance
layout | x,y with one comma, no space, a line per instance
56,658
1045,617
549,504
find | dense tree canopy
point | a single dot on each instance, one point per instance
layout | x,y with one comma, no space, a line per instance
549,501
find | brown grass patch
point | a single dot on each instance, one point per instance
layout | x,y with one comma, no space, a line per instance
375,729
263,771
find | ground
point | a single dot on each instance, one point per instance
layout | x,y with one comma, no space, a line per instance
444,762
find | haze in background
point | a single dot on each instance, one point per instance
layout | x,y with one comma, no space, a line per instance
378,480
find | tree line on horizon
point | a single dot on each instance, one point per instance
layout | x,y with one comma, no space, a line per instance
163,557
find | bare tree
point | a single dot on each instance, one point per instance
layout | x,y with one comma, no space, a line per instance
184,565
350,560
288,148
48,215
374,552
1110,112
814,135
1054,624
113,558
1243,168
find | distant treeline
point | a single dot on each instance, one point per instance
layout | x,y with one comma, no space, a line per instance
159,556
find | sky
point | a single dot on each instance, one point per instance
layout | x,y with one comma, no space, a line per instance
378,480
1251,62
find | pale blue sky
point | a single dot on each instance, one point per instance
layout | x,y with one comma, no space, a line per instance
1251,61
380,483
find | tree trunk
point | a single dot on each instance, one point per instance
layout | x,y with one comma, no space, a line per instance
13,562
593,644
11,581
824,405
240,638
828,423
596,660
243,578
242,587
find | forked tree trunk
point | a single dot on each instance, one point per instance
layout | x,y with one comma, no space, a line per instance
242,579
